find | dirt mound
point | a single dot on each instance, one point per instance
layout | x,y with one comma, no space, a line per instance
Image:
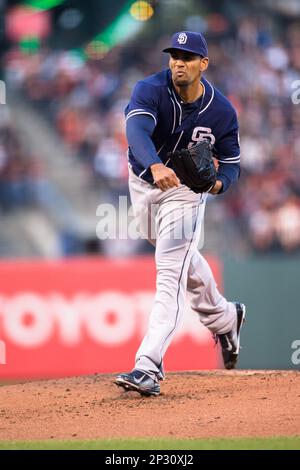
191,405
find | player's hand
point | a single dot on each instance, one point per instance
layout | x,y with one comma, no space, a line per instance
164,177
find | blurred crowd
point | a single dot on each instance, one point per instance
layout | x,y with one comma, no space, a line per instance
259,75
254,64
21,171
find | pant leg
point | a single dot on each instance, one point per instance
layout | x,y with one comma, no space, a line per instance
143,197
214,311
178,222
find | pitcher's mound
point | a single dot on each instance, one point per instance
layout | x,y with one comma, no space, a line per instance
191,405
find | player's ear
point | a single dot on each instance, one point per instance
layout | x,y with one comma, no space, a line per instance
204,63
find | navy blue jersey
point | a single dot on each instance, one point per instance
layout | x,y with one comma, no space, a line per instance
179,125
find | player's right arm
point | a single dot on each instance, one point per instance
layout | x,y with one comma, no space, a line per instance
139,130
141,120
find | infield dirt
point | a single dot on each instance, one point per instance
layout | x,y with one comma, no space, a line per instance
213,404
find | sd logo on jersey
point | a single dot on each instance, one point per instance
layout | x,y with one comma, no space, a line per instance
201,133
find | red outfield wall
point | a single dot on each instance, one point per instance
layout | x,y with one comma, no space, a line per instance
83,316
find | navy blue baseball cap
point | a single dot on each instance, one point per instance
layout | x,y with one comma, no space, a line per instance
190,42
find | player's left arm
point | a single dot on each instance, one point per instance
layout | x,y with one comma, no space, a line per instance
227,152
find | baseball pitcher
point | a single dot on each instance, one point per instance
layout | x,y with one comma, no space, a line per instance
176,124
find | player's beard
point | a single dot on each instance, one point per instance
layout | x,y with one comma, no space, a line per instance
181,82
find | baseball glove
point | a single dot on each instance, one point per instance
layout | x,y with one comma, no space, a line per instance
195,166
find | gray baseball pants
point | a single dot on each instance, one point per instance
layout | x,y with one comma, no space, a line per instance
173,222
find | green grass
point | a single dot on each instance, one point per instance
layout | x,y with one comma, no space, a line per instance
277,443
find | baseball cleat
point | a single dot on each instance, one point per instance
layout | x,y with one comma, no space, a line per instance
138,381
230,342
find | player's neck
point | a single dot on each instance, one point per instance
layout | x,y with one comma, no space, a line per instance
190,93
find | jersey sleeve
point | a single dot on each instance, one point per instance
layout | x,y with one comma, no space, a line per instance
227,146
139,130
144,100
